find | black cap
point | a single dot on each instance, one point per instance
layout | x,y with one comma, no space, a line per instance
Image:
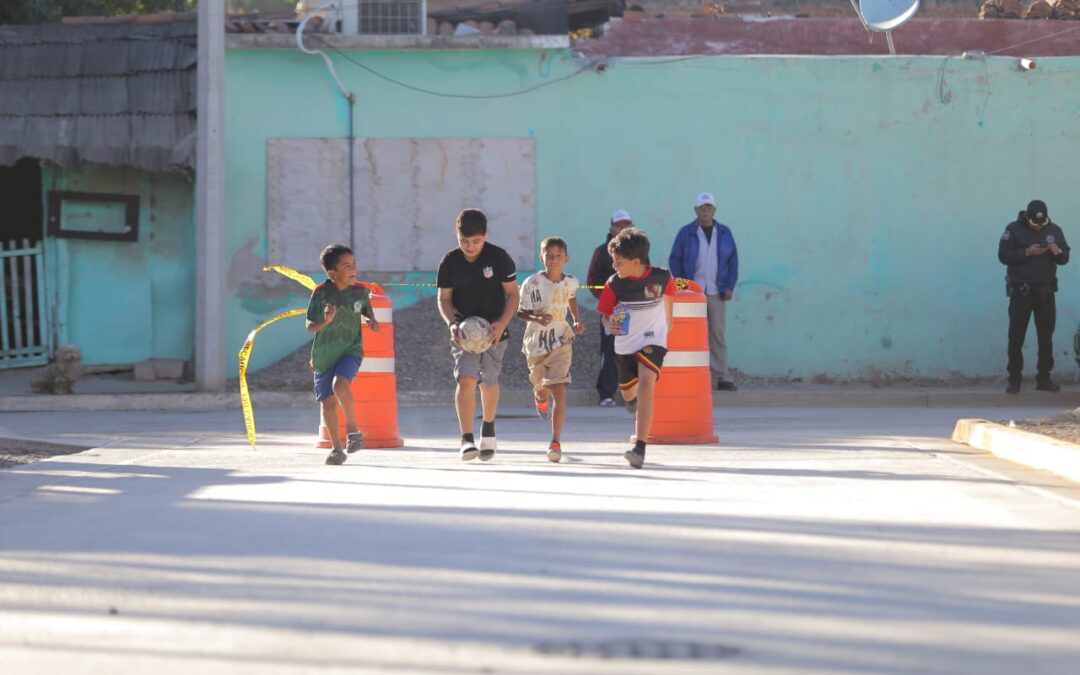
1036,211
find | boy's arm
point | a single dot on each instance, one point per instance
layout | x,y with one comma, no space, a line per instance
575,312
510,290
319,314
369,311
669,311
446,311
527,311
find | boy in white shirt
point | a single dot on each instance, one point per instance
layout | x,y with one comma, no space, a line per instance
545,299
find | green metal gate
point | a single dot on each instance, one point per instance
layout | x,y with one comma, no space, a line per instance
24,334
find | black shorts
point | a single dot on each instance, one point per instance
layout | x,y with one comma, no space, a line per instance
650,356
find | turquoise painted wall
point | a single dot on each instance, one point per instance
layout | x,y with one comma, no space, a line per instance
124,302
867,195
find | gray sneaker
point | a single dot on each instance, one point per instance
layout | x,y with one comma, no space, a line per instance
636,459
336,457
354,442
607,403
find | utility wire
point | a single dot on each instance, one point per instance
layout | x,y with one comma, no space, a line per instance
443,94
1038,39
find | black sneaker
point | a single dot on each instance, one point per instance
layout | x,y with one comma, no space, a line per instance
1047,385
469,451
631,406
336,457
1013,388
635,457
354,442
724,385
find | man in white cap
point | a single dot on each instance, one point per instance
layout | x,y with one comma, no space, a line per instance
600,270
704,250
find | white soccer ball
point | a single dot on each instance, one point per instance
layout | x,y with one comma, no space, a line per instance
474,334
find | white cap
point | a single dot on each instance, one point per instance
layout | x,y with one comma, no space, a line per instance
704,198
620,216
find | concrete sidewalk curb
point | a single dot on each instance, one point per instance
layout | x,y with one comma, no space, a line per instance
857,398
1022,447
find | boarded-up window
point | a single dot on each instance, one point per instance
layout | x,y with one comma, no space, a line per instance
407,193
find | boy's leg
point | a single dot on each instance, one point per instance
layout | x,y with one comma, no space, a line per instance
627,366
490,368
333,425
328,405
537,372
344,372
489,401
465,403
646,389
558,413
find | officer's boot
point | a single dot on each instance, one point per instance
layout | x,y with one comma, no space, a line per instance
1044,383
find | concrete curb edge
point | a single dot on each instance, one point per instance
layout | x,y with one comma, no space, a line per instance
1022,447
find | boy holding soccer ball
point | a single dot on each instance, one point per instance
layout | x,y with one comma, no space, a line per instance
477,279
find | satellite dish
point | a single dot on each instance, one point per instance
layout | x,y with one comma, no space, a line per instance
885,15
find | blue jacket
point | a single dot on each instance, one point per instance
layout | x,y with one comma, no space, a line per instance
684,254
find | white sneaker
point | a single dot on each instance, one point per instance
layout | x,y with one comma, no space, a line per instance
607,403
469,451
487,448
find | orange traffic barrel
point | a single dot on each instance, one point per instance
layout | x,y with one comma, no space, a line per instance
683,397
374,388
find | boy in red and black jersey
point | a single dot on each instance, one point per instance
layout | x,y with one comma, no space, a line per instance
637,306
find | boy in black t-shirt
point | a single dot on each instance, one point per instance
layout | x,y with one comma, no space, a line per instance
477,279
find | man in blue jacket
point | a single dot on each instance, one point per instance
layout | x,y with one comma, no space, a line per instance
704,251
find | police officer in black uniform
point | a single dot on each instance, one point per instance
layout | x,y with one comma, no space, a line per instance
1032,247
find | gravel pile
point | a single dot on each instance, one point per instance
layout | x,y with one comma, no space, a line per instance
423,362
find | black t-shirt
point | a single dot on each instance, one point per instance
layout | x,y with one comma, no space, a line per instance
478,285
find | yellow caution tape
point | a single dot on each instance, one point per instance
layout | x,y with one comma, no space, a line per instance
302,279
309,283
245,354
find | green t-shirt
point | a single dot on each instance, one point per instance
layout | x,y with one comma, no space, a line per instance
343,335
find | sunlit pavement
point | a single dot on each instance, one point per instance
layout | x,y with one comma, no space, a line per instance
806,540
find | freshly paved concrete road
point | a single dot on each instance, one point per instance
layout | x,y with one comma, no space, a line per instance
807,540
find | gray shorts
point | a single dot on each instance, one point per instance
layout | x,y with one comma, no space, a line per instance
485,367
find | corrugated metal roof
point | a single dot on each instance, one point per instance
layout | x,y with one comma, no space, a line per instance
121,94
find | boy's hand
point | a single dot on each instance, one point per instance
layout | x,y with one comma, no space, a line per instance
373,324
579,328
497,329
455,335
1035,249
613,327
1055,249
329,313
542,319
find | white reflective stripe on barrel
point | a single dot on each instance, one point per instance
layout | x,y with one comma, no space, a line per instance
386,314
684,359
688,309
377,365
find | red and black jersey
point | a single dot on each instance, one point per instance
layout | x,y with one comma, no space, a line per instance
642,300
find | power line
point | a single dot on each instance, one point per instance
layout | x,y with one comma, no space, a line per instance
444,94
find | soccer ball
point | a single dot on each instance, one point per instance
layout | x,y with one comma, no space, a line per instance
474,334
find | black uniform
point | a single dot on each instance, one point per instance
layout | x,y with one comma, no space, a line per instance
600,270
1031,282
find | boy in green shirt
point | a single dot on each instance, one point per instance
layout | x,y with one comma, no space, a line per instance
335,314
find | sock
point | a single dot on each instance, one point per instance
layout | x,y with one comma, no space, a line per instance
487,429
639,446
467,438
